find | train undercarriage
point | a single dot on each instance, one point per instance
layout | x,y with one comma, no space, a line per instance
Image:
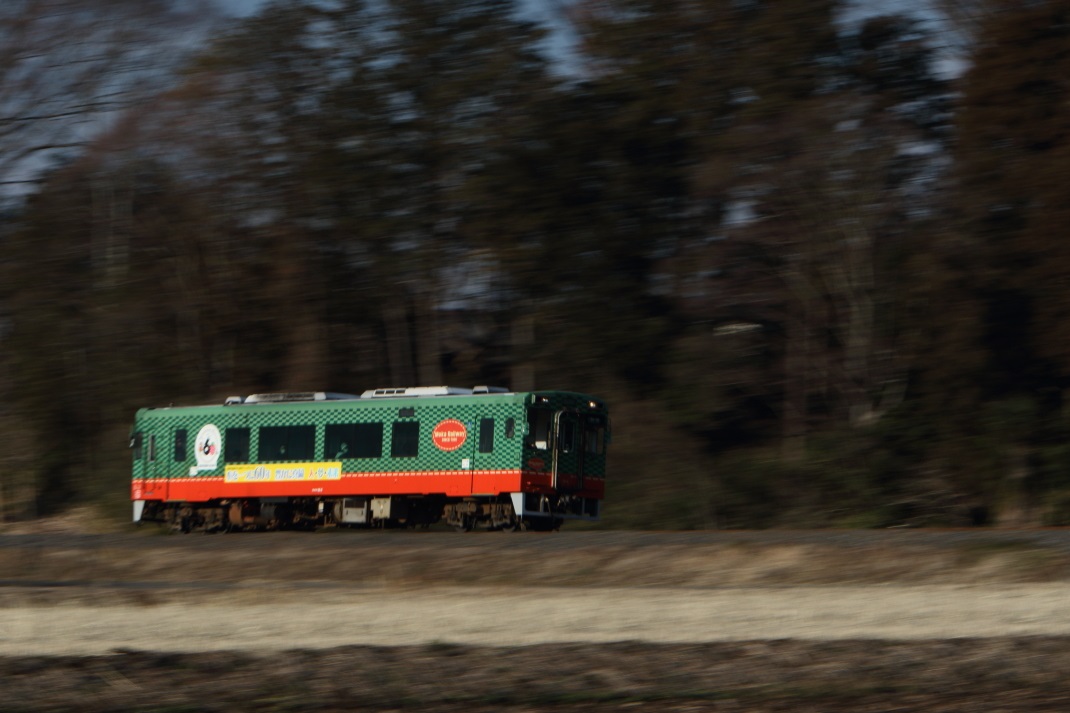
536,512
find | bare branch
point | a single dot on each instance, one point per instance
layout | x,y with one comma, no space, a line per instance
68,65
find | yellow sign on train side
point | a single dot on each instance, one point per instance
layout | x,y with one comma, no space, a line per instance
283,472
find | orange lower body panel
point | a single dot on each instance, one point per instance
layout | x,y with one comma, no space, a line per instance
450,483
460,483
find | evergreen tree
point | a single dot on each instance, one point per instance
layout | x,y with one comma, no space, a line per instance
1013,162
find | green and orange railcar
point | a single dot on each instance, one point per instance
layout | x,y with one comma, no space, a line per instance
473,458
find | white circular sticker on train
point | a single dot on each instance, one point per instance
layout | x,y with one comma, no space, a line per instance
207,446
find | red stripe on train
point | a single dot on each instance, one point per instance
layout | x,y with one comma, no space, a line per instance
450,483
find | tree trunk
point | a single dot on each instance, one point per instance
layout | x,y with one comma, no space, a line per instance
523,343
112,211
428,340
793,418
398,345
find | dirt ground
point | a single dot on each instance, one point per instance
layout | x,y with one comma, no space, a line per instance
780,675
443,622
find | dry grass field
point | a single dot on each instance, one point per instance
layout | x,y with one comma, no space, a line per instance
570,621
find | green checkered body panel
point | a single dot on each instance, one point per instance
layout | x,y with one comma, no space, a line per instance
178,442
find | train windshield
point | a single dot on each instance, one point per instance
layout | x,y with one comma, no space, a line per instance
594,435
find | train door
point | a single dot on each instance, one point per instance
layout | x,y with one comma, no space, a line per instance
177,455
155,466
481,456
568,451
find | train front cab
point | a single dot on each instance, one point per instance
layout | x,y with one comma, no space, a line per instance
564,460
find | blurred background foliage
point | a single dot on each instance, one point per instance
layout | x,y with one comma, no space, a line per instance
822,279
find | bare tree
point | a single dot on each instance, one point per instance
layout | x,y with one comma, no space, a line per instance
66,66
963,20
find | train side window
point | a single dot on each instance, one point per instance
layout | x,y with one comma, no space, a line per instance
286,443
486,435
137,443
510,427
353,440
539,422
405,439
236,445
180,445
369,442
152,448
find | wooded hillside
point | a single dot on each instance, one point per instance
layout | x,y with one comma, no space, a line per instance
819,282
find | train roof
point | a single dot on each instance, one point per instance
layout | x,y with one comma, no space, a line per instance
409,395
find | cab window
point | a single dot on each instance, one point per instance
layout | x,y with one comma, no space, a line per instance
594,436
539,429
567,433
